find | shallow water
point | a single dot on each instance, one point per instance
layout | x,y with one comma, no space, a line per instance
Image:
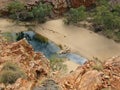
49,49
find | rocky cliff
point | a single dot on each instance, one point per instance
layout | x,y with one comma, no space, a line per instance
59,6
94,76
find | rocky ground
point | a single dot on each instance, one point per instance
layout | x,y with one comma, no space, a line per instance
93,75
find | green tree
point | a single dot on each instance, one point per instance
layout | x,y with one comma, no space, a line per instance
103,16
76,15
15,7
41,11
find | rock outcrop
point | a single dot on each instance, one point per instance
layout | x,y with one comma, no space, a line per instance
35,65
87,77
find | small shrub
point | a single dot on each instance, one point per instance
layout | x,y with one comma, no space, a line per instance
10,73
10,37
9,76
98,64
57,64
98,67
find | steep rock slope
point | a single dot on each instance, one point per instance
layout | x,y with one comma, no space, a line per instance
92,76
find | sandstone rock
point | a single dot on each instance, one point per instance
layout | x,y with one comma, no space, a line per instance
82,78
87,78
35,65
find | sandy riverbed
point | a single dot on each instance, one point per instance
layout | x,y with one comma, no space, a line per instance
80,40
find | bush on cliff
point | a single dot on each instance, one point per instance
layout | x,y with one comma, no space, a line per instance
10,73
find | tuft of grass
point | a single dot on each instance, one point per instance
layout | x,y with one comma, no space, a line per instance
10,66
60,46
98,65
10,73
10,37
57,64
30,29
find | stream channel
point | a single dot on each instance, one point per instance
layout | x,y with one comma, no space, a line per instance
48,48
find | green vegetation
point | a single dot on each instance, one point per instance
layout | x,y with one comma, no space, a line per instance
107,20
57,64
14,8
41,11
18,11
76,15
110,20
98,64
10,73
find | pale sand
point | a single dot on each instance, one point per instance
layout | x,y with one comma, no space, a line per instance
7,25
81,41
71,66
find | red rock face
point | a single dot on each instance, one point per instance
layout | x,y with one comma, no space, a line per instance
78,3
59,6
